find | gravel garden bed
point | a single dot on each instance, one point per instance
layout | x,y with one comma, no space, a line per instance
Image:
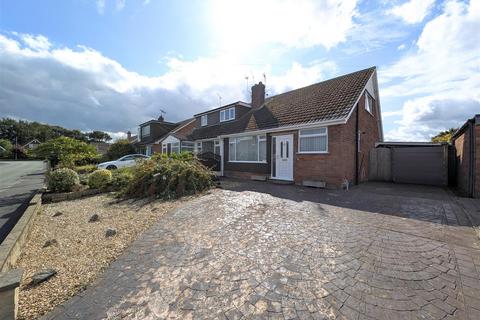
63,239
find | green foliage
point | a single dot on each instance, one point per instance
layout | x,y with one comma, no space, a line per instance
184,156
119,149
88,168
62,180
99,136
444,136
66,151
7,145
121,178
99,179
26,131
169,177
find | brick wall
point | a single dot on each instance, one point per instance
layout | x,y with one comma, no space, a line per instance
462,161
334,167
339,163
186,130
368,126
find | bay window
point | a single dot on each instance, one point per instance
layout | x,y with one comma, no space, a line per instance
313,140
248,149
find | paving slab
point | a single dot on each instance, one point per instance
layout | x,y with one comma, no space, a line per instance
255,251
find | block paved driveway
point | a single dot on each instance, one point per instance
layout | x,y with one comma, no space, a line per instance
258,251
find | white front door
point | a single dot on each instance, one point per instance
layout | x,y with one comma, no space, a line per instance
284,157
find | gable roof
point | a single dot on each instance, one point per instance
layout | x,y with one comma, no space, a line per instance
328,100
175,132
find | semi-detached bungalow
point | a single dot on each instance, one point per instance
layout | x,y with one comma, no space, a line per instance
317,135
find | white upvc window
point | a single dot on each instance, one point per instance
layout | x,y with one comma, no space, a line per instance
204,120
369,102
145,131
227,114
164,148
188,146
248,149
216,147
199,147
176,147
313,140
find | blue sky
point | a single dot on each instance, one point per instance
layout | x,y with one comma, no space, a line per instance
109,65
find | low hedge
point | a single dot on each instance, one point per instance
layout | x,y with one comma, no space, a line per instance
62,180
168,178
99,179
121,178
88,168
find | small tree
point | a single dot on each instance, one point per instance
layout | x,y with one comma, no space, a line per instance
119,149
6,148
444,136
66,152
99,136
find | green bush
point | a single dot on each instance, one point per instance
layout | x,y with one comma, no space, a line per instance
169,177
88,168
62,180
119,149
66,152
99,179
121,178
7,146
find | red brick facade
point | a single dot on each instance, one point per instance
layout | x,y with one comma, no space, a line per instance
339,163
467,158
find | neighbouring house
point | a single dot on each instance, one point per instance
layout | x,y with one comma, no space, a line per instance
131,138
32,145
101,146
466,142
151,131
318,135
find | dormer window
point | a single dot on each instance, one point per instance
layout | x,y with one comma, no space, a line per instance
227,114
145,131
204,120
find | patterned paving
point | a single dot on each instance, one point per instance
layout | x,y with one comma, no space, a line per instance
375,252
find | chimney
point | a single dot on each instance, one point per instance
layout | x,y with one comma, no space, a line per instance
161,118
258,95
129,135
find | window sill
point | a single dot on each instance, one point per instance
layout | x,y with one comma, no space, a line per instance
259,162
313,152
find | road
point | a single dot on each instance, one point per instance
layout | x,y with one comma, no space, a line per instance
19,180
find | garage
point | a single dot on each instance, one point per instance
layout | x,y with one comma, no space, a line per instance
410,162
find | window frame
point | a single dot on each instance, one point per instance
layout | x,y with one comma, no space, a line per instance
300,136
204,120
259,137
142,135
367,102
227,114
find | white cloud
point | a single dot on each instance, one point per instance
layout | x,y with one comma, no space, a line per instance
401,47
36,42
81,88
412,11
100,6
119,5
442,74
243,25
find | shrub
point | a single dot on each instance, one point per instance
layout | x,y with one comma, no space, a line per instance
6,150
88,168
62,180
169,177
66,151
121,178
119,149
99,179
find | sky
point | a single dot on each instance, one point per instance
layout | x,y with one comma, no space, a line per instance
112,64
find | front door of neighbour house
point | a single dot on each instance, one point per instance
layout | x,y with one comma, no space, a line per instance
284,157
169,148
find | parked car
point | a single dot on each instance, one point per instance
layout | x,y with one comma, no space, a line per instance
126,161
